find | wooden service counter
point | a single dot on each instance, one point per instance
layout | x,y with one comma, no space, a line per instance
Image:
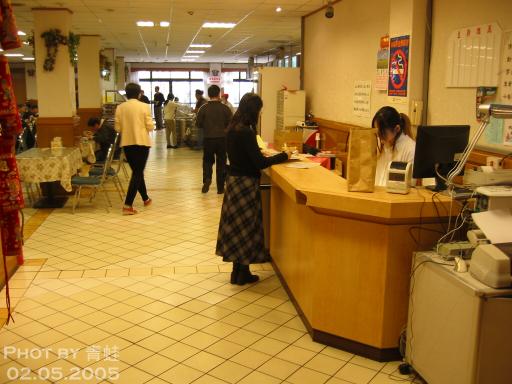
345,257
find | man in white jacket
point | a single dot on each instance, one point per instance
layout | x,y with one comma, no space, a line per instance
133,120
170,123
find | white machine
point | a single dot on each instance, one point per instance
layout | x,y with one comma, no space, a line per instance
491,264
488,176
399,177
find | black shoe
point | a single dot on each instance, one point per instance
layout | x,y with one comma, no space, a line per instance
234,273
220,191
169,146
206,187
245,276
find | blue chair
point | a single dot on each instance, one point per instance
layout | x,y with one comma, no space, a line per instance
93,182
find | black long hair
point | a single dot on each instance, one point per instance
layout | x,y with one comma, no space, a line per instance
386,119
248,112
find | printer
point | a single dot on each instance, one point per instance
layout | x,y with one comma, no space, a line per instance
492,264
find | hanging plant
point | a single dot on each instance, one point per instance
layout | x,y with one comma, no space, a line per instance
52,39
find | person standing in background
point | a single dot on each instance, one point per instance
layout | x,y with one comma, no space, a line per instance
133,120
144,98
225,101
200,100
170,122
212,120
158,101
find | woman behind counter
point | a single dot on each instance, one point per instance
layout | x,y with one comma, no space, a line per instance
240,238
395,140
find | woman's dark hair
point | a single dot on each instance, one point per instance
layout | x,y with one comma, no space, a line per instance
248,112
93,121
386,119
132,91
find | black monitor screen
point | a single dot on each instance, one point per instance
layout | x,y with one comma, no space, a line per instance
438,147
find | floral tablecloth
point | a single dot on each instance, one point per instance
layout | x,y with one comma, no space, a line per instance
39,165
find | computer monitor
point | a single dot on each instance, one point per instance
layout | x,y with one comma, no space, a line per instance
438,148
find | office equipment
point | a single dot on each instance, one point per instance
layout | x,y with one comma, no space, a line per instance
438,149
458,329
462,249
477,237
291,107
490,264
494,197
399,177
489,177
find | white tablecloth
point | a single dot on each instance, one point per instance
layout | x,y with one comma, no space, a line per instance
38,165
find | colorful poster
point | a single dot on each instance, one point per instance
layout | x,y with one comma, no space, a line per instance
398,66
381,78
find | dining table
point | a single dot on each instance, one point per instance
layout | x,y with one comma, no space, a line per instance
50,166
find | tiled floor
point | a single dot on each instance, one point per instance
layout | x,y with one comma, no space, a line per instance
143,299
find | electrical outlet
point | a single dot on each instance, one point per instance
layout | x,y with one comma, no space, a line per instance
494,162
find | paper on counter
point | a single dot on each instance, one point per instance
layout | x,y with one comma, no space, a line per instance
302,165
496,224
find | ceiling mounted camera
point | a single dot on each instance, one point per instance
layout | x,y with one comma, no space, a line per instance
190,13
329,11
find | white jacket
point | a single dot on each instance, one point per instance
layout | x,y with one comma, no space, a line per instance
404,151
133,120
170,110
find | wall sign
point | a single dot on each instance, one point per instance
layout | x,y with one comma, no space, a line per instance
361,99
398,66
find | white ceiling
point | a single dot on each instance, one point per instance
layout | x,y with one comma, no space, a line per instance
260,30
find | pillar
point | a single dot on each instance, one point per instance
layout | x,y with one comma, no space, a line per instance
120,73
30,81
55,89
89,80
109,83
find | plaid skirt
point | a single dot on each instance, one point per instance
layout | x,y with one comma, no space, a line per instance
240,236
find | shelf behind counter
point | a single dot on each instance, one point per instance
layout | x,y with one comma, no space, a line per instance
345,257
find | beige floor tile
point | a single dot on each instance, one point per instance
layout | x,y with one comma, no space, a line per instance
382,378
94,273
356,374
243,337
259,378
367,363
215,312
137,315
181,374
251,358
156,364
47,338
230,372
269,346
117,272
91,336
183,270
178,331
97,317
135,334
118,309
225,349
207,379
325,364
156,342
134,354
197,321
237,319
337,353
204,361
115,325
307,343
261,327
179,351
177,314
133,375
196,306
70,274
200,340
305,375
30,329
278,368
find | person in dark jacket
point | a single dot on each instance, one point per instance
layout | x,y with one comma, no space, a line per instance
240,238
212,121
104,135
158,101
144,98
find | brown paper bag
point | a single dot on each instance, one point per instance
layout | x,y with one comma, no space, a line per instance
362,159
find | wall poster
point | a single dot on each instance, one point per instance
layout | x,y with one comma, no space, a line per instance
398,66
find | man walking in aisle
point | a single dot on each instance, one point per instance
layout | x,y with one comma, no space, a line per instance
158,101
212,120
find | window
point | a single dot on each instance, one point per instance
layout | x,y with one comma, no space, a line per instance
144,75
197,75
179,74
161,74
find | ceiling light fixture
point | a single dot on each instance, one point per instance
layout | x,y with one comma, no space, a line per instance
186,60
191,57
279,9
200,45
145,24
164,24
14,55
21,33
299,53
27,58
218,25
195,52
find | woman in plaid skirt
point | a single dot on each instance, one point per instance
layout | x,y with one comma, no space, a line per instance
240,239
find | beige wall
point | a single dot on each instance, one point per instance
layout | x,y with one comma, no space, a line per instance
457,105
339,51
30,82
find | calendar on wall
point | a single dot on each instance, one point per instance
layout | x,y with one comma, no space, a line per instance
473,58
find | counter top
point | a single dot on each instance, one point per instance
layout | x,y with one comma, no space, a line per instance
323,190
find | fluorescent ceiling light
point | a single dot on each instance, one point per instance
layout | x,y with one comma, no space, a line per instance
14,55
191,57
145,24
218,25
21,33
195,52
185,60
164,23
298,53
200,45
28,58
279,9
